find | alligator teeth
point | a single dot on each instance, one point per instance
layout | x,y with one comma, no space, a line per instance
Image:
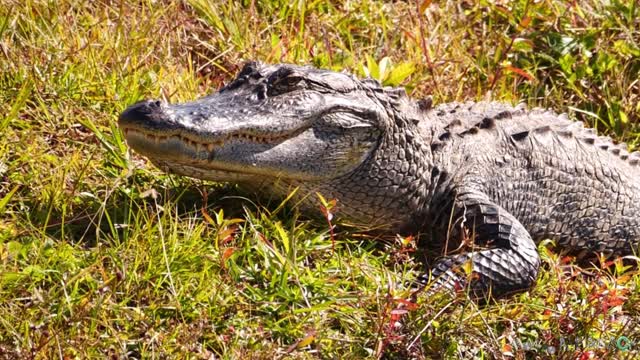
205,146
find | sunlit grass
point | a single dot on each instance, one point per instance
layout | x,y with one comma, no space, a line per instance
101,254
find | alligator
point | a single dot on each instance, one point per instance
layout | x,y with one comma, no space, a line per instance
488,179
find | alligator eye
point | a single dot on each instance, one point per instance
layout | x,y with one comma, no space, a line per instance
282,84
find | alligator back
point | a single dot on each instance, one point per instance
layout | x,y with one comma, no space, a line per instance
560,180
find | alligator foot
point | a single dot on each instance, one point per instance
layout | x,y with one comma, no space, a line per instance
502,259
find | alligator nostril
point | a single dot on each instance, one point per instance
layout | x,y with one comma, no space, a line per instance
144,112
262,92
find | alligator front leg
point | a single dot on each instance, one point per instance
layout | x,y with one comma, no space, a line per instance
502,256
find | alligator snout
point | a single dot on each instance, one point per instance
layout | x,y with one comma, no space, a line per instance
143,114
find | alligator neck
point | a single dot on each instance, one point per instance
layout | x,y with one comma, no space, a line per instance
387,191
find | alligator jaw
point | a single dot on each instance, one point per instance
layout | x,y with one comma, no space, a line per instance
183,155
153,130
187,146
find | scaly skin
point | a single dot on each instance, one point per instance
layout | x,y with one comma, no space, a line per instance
486,178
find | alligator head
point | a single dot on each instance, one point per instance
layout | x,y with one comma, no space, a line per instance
281,121
321,130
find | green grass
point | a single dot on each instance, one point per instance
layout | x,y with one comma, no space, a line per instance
101,254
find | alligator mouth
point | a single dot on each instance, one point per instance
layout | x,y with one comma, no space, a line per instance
155,130
177,153
140,136
208,158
